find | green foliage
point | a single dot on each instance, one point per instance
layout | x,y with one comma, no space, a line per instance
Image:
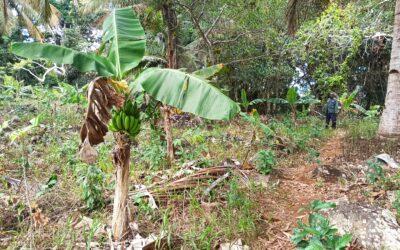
347,99
362,128
49,185
371,113
396,203
89,232
318,233
266,161
375,173
238,200
71,94
188,93
126,37
291,96
208,72
153,153
91,181
328,46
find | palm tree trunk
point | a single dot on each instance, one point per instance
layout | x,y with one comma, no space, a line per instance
121,159
390,121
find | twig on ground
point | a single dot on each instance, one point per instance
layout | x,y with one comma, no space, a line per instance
215,183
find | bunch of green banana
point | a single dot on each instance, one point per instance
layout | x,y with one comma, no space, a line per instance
126,119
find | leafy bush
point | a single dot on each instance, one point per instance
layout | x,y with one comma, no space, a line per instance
153,153
266,161
375,172
91,181
318,233
363,129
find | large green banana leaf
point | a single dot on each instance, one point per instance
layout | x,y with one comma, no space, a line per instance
61,55
188,93
127,39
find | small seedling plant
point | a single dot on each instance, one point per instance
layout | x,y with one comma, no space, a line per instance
318,233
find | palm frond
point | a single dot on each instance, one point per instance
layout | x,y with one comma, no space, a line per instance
32,28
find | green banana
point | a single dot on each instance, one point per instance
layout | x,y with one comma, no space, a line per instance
114,121
112,128
126,122
134,123
119,121
129,108
135,129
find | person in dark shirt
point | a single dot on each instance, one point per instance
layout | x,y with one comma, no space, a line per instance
331,109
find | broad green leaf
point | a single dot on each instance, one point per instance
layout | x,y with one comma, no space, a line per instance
343,241
60,55
207,73
188,93
258,101
318,205
276,100
291,96
315,244
309,99
127,39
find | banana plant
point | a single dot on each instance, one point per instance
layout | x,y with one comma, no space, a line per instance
347,99
122,49
292,100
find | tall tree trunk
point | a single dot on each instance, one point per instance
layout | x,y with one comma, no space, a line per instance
121,155
171,21
390,121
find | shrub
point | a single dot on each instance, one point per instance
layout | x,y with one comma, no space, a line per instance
318,233
266,161
91,181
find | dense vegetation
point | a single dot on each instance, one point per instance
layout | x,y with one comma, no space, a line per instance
201,121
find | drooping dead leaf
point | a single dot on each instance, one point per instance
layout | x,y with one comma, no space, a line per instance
101,98
87,153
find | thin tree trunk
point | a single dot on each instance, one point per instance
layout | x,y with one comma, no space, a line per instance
170,19
121,155
390,121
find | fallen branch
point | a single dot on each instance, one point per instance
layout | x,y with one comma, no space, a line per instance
200,178
215,183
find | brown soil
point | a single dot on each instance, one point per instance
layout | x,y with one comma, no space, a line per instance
295,188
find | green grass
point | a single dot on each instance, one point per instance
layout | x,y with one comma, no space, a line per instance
231,211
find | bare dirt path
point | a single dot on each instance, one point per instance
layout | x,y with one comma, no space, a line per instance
296,187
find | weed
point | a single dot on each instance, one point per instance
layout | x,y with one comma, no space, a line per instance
375,173
396,203
266,161
362,129
88,233
318,233
153,154
91,181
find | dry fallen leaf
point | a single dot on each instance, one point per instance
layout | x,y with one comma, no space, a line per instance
38,218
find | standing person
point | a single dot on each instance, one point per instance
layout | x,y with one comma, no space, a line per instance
331,110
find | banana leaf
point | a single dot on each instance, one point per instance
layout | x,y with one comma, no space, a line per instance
188,93
291,96
61,55
127,39
207,73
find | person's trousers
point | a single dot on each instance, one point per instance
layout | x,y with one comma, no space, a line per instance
331,117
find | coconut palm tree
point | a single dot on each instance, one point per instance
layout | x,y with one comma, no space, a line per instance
30,13
390,121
